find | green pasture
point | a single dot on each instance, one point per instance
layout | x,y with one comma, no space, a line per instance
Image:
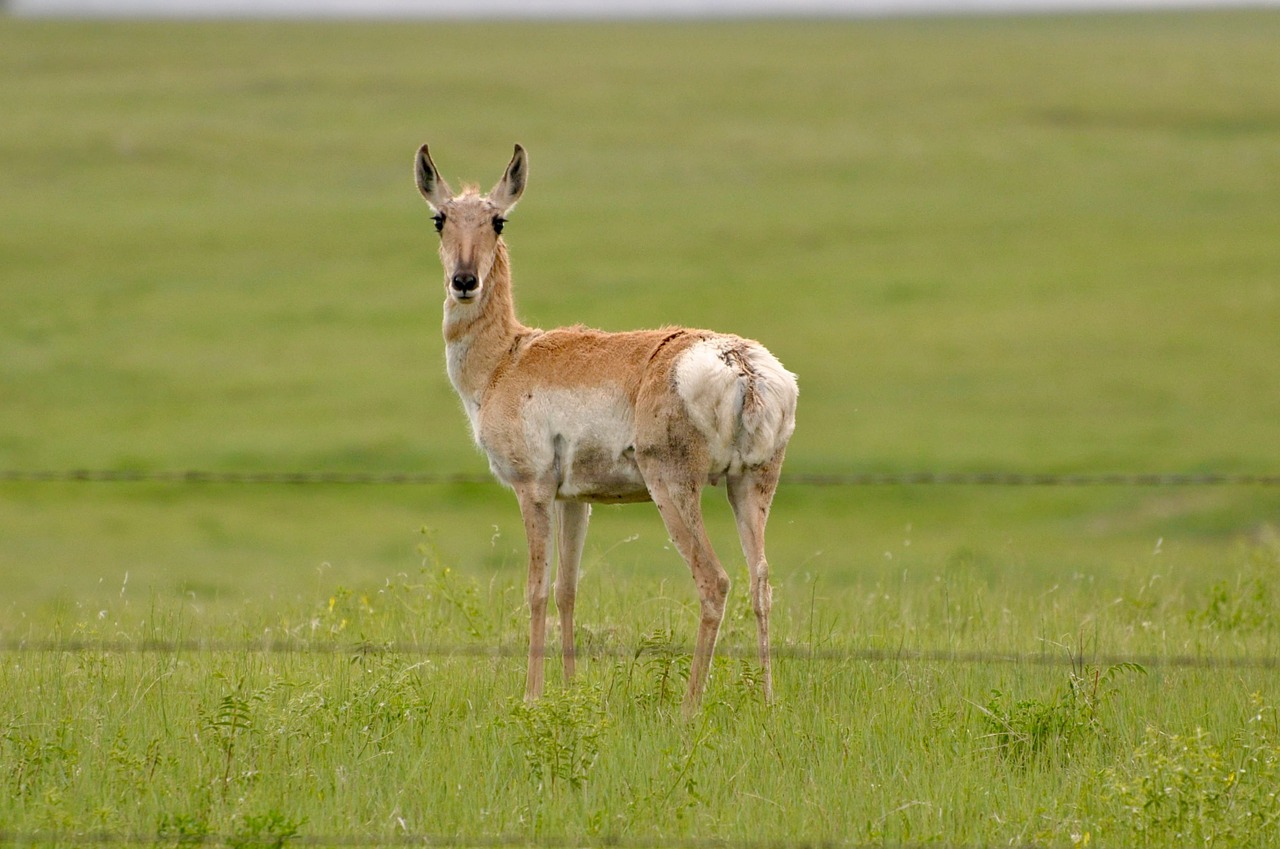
1043,244
334,719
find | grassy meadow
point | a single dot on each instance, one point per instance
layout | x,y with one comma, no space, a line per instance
1043,244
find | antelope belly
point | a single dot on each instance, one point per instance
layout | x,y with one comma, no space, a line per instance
591,436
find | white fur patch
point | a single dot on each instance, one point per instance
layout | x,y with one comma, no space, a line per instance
455,355
587,434
740,397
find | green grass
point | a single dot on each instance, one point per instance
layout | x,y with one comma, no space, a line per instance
1041,244
208,732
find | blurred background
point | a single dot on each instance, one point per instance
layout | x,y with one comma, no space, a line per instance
1035,243
592,8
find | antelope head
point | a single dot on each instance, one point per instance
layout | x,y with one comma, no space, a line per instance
469,224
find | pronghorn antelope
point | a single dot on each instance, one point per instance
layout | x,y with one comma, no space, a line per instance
573,416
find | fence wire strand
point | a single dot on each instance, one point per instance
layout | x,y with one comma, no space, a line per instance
1023,479
501,841
1050,656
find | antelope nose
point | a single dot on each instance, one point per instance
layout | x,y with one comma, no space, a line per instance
465,282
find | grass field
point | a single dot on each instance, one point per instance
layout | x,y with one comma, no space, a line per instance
1042,245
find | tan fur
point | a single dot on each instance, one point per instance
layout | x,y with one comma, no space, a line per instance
572,416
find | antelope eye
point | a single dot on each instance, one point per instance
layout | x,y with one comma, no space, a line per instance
498,221
439,219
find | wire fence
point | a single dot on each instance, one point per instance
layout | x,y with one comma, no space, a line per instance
580,841
1051,655
10,838
835,479
455,840
851,479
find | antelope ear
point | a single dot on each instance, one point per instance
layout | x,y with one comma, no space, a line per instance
430,183
511,186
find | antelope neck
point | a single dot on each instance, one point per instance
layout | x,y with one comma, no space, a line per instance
480,335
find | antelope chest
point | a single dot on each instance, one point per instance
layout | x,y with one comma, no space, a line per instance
582,438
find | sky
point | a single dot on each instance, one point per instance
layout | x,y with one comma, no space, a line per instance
581,8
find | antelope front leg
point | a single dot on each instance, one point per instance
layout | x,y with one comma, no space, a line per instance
572,533
535,508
